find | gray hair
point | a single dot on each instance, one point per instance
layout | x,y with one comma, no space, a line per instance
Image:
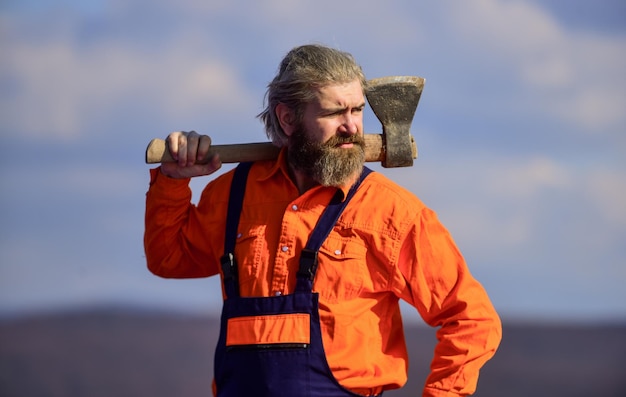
303,69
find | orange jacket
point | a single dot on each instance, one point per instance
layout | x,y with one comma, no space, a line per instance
386,246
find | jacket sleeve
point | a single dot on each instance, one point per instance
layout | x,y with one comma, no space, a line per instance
176,234
436,280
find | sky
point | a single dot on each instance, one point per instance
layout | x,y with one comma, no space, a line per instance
521,131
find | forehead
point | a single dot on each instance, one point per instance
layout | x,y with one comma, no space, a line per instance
339,95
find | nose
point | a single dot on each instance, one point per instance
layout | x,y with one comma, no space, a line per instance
350,124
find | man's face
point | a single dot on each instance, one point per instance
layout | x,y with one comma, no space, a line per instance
328,145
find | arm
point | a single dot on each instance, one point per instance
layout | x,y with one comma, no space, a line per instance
440,286
174,241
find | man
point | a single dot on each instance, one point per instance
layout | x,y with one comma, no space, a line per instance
314,252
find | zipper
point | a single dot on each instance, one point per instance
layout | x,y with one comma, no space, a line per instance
270,346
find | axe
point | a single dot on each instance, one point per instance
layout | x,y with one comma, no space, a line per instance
393,99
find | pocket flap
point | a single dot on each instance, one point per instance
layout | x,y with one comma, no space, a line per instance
269,329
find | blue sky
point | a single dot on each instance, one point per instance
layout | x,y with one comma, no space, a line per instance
521,132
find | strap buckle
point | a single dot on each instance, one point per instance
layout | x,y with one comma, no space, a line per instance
229,267
308,264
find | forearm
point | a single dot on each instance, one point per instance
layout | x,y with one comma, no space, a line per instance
466,341
443,290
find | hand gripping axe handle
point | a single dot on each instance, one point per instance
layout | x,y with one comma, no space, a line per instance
393,100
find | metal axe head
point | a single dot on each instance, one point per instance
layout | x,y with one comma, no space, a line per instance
394,100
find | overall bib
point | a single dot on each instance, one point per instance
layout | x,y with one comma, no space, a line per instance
272,346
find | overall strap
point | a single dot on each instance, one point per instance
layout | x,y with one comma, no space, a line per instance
326,223
235,204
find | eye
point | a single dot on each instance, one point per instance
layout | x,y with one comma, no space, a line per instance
333,113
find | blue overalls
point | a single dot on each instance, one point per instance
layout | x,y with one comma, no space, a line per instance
291,368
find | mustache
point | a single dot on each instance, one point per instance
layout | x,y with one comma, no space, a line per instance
342,139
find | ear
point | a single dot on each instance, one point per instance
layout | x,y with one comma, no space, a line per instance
286,117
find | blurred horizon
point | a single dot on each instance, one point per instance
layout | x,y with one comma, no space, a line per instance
124,353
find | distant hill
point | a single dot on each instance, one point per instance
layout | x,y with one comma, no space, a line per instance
131,353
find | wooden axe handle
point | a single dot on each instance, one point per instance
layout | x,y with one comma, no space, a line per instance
157,151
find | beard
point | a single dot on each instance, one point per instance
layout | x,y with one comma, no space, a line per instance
325,162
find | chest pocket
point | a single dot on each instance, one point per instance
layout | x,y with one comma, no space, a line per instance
250,249
341,270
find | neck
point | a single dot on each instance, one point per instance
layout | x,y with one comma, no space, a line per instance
302,181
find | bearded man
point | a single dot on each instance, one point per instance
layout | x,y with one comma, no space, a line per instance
315,251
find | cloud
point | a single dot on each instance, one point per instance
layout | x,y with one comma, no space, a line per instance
607,188
66,85
567,76
571,76
523,179
504,206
